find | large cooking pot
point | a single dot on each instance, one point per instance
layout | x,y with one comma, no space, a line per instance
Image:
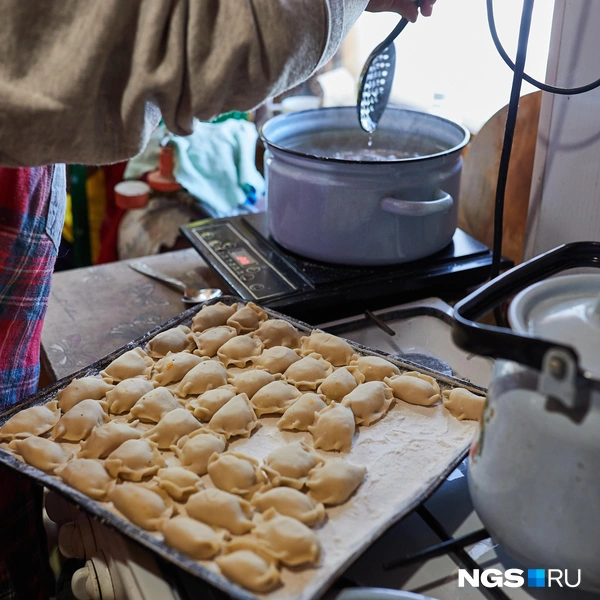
331,197
535,468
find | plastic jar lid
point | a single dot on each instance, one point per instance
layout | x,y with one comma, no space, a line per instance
132,194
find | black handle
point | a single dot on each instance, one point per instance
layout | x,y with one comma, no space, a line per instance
499,342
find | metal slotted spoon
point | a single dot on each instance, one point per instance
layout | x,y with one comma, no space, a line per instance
376,79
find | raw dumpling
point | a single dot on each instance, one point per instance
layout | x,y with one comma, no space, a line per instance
103,440
334,428
126,394
290,503
276,359
300,415
141,506
290,465
172,427
208,342
236,473
239,350
340,383
252,568
275,397
375,368
172,340
248,318
212,316
133,363
174,367
77,424
195,449
287,539
134,459
191,537
154,405
464,404
36,420
41,453
309,372
249,382
179,483
333,349
221,509
205,376
237,417
276,332
86,388
414,388
86,475
334,481
206,405
369,402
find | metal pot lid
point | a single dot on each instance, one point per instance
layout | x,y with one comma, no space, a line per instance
563,309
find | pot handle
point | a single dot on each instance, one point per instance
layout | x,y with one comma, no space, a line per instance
411,208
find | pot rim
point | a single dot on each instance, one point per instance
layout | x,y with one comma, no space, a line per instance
346,161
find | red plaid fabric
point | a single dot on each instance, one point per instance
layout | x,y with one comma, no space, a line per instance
28,246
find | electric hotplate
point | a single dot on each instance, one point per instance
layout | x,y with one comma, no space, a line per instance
252,265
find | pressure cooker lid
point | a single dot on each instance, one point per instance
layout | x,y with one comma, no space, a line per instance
563,309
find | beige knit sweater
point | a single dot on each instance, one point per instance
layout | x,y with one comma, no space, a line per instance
85,81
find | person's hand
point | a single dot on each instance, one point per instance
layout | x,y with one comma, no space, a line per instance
406,8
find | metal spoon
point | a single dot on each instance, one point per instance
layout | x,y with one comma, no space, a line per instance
190,295
376,79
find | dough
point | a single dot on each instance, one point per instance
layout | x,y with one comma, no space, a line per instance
237,417
375,368
133,363
252,569
340,383
276,359
172,340
290,502
221,509
369,402
36,420
287,539
212,316
77,424
308,373
41,453
87,476
195,449
290,465
276,332
463,404
122,398
334,428
249,382
172,427
300,415
333,349
205,376
197,540
179,483
275,397
208,342
174,367
134,459
334,481
239,350
248,318
154,405
86,388
106,438
206,405
236,473
141,506
415,388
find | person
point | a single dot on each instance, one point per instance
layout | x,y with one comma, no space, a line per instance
86,82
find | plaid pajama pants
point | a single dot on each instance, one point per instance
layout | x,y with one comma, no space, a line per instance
31,216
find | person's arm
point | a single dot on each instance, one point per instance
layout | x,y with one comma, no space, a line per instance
407,8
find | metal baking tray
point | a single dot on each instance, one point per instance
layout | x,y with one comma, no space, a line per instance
151,542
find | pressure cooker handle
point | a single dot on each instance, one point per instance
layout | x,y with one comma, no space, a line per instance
413,208
498,342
